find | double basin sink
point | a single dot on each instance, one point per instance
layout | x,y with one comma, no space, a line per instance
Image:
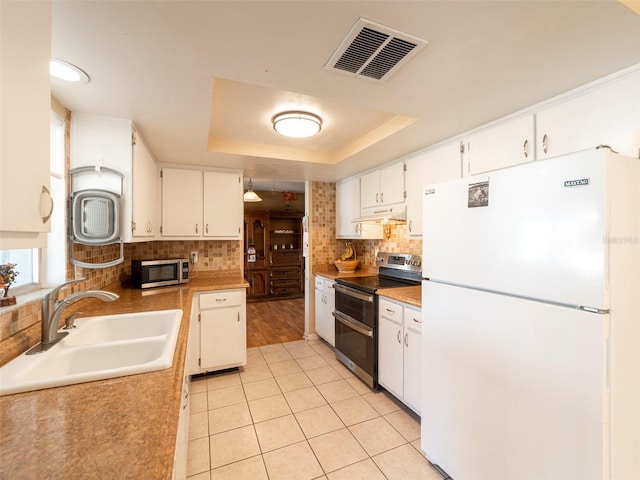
100,347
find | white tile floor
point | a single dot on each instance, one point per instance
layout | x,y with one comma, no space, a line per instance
295,413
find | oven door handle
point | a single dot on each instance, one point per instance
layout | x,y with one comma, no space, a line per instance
352,324
353,293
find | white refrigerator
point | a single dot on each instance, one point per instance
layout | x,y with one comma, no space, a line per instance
531,321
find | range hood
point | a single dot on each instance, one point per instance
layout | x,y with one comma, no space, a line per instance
390,215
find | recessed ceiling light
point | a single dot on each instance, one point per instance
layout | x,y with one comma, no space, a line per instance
297,124
67,71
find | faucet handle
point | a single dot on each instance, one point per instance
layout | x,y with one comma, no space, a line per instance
68,322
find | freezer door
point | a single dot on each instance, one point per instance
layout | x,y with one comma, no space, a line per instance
537,230
512,389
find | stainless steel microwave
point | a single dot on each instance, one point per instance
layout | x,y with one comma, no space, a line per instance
159,273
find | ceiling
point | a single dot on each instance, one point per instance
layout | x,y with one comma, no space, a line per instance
201,80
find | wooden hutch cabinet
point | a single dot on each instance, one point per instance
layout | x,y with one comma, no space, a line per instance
276,269
256,264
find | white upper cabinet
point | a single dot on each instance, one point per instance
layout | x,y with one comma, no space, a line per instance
430,166
504,145
608,114
145,221
223,205
25,203
348,209
98,141
201,204
182,203
382,188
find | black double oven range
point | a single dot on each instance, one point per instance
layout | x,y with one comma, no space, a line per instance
356,311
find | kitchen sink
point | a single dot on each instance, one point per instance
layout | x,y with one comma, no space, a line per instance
112,328
100,347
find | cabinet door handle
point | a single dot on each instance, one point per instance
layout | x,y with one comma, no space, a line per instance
46,217
545,143
376,198
525,148
206,227
196,228
410,225
382,197
406,339
271,258
358,228
398,337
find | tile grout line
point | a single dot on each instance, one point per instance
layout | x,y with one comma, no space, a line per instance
274,377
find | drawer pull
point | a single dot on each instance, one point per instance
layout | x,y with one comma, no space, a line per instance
391,311
220,300
417,320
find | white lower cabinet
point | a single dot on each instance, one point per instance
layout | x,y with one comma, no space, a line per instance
399,351
182,437
218,331
325,304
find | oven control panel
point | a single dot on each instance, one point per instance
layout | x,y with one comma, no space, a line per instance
400,261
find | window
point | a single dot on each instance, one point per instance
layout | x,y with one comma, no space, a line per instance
46,267
53,258
27,266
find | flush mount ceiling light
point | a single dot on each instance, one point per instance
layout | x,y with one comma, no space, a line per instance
250,195
297,124
67,71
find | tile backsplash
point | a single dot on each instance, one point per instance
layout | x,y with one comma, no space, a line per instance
326,248
20,325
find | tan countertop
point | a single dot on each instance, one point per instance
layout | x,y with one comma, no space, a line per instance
411,295
332,273
117,428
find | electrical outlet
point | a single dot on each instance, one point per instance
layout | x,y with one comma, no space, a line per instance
194,257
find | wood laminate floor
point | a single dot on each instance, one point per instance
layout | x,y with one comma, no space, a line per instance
274,322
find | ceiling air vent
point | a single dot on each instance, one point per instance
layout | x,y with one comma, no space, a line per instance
373,51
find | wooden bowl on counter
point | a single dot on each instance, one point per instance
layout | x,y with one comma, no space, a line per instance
346,266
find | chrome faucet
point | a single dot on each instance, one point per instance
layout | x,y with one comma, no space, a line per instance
52,310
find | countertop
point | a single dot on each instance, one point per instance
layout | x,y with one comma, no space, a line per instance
411,295
117,428
332,273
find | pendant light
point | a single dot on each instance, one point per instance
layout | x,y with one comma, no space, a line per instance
250,195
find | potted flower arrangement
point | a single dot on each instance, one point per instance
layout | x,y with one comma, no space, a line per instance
8,274
288,198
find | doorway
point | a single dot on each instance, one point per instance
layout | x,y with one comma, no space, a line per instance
274,265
